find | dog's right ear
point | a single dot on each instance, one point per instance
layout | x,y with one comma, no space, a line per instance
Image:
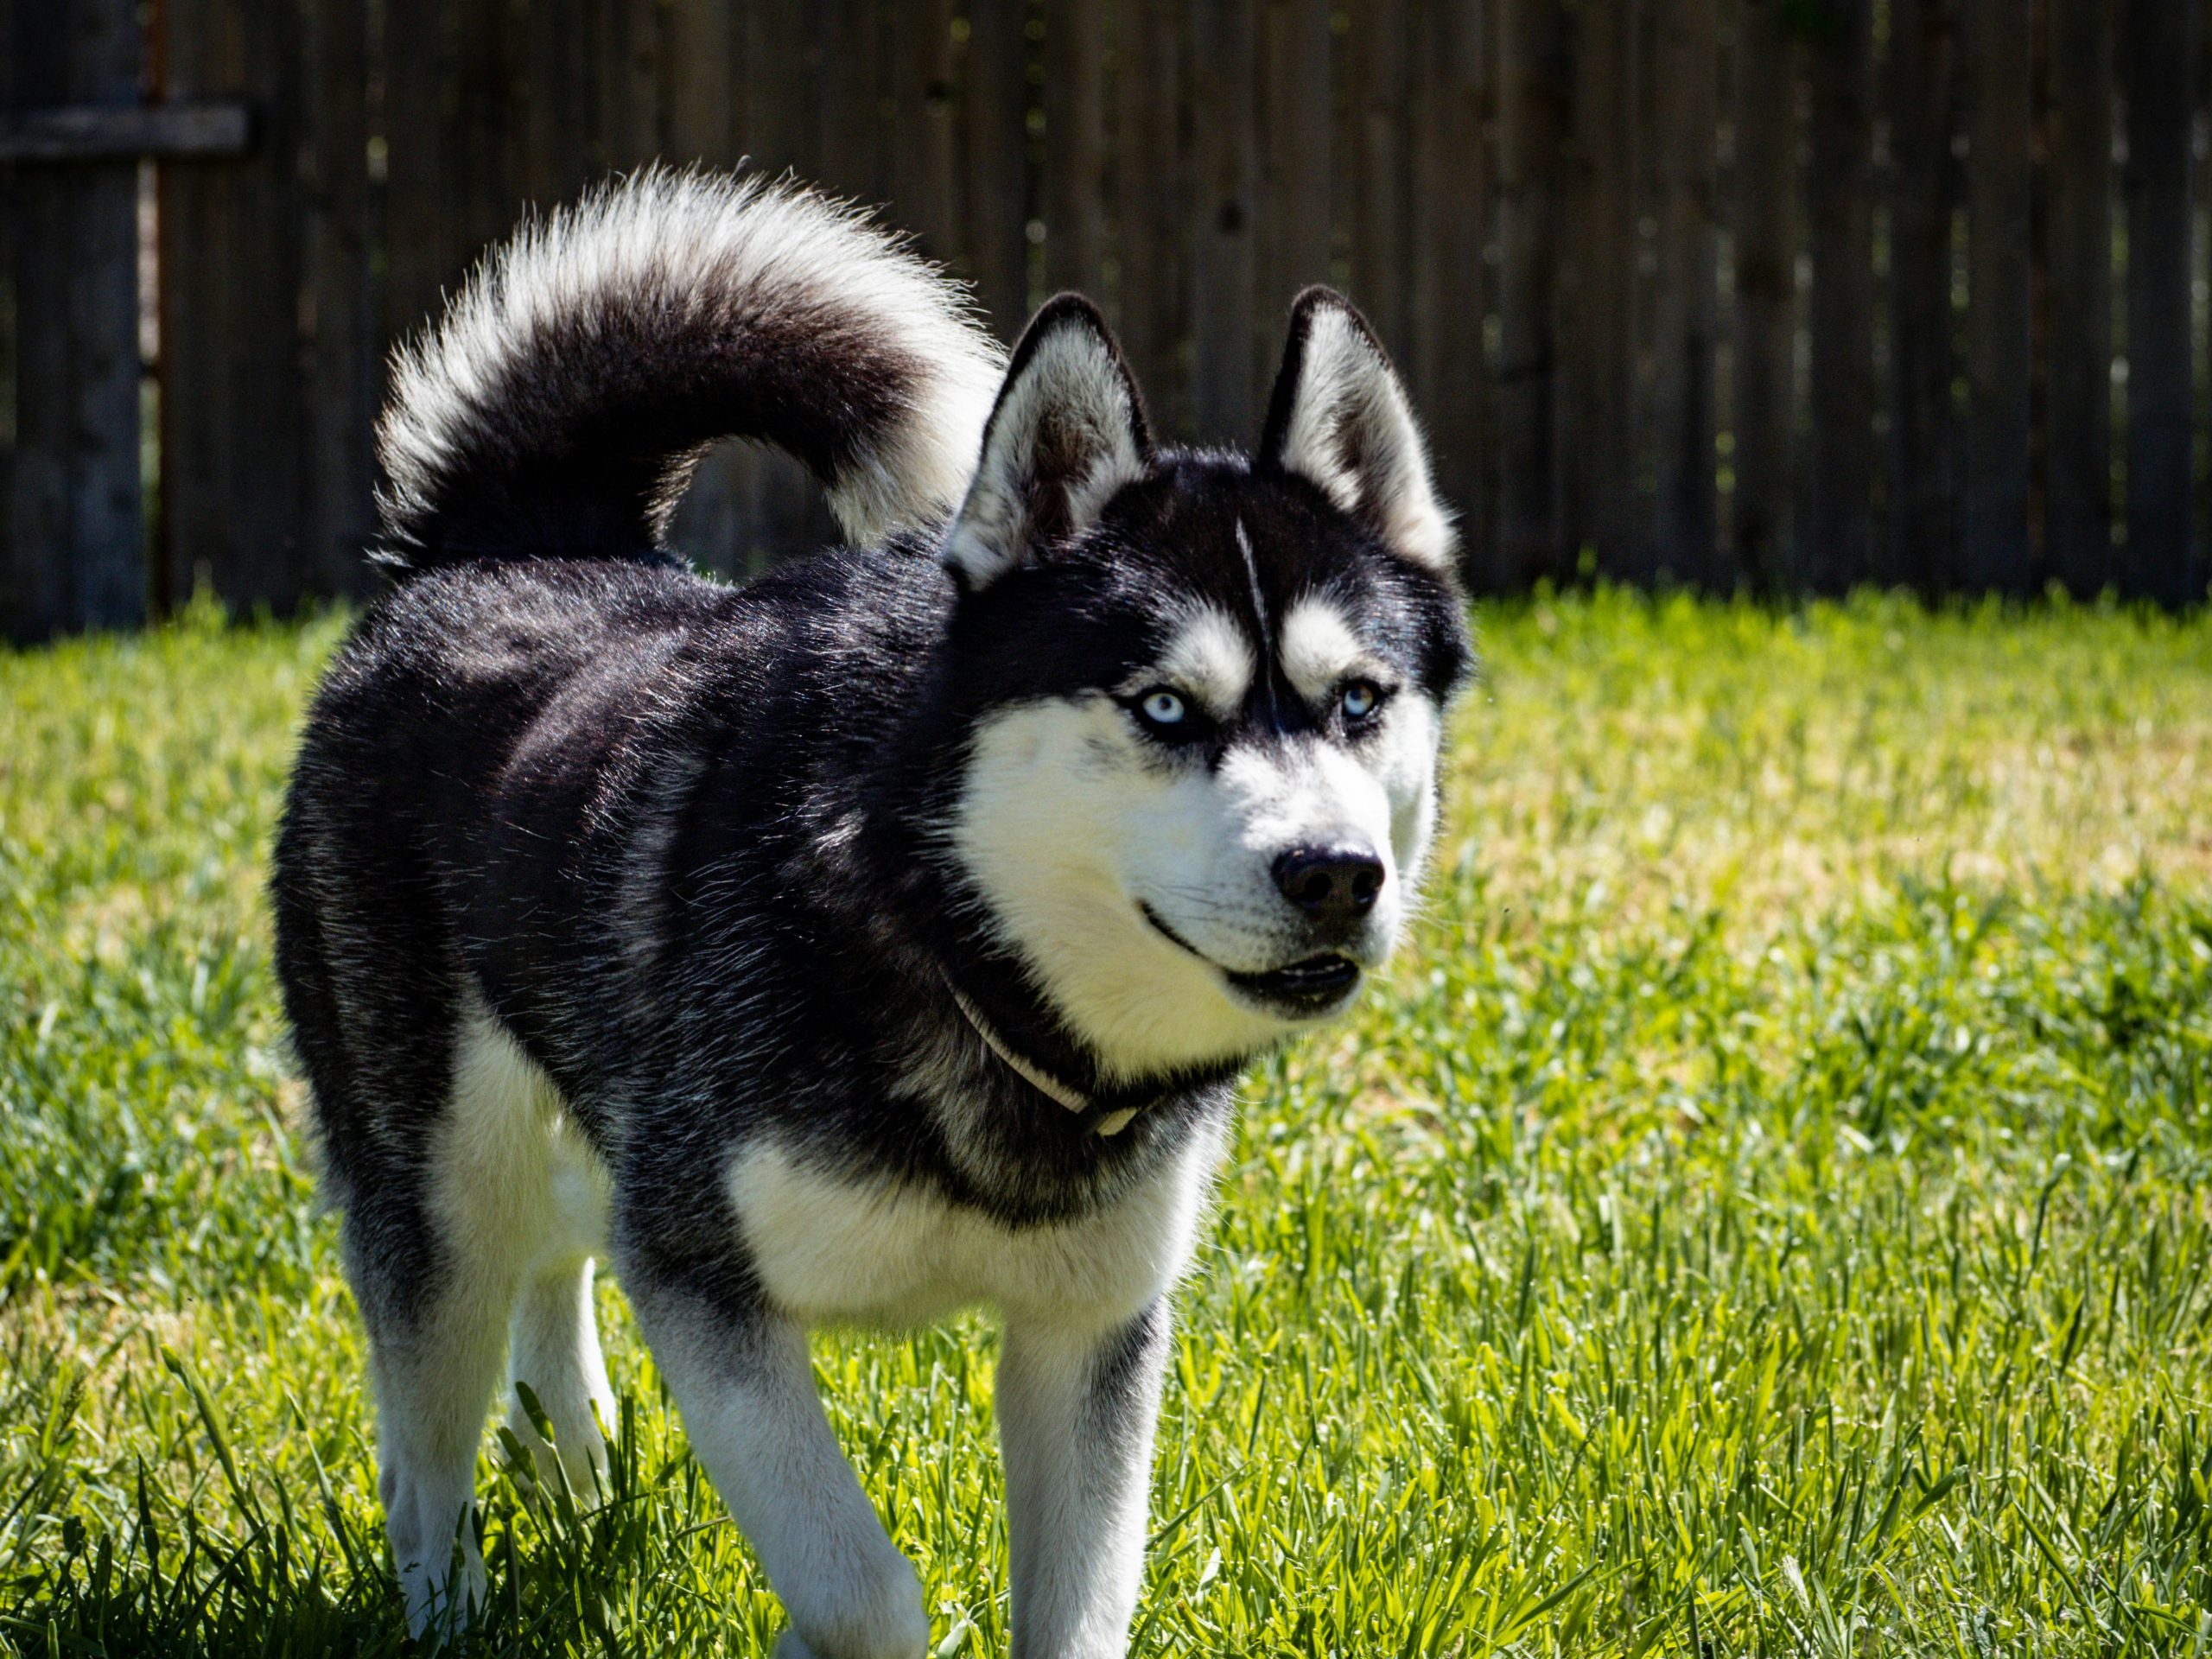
1067,431
1339,418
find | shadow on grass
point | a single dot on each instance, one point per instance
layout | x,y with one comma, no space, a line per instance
566,1573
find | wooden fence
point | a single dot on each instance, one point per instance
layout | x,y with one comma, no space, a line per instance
1795,294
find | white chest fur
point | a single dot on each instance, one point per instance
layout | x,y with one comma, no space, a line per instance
829,1247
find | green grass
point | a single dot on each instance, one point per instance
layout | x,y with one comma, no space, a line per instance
1765,1213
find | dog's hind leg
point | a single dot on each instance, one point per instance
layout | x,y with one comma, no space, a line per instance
553,1351
440,1256
433,1368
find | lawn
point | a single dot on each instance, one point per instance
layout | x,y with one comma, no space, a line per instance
1765,1212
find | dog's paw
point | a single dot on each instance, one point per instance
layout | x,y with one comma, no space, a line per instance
885,1621
791,1645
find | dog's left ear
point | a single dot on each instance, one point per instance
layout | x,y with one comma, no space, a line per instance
1067,431
1339,418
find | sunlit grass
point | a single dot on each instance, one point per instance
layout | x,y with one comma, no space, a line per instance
1765,1213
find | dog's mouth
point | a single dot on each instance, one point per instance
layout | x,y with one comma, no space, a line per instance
1304,989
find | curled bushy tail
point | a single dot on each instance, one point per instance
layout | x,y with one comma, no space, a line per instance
558,408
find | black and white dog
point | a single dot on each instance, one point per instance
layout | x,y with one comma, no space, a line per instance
878,938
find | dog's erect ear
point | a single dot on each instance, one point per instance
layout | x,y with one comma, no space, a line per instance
1068,430
1340,417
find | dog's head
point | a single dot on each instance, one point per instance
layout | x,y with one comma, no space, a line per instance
1205,692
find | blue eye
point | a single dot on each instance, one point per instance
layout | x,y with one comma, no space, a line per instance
1361,699
1162,707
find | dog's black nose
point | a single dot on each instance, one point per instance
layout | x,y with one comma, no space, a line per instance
1333,885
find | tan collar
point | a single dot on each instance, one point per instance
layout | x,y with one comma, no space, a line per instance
1035,1076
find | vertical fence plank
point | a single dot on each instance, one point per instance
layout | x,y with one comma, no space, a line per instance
627,129
922,148
2078,510
1151,185
1923,446
1598,290
1075,148
1376,130
421,253
1224,170
700,100
851,139
2158,61
1766,289
344,359
1291,240
234,422
995,166
1684,97
1994,548
550,158
1839,508
1450,198
1530,119
778,90
18,573
478,109
77,534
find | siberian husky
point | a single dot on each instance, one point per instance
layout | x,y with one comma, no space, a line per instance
879,938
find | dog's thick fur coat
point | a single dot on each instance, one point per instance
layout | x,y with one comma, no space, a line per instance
881,937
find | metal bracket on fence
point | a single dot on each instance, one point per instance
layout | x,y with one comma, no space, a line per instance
107,133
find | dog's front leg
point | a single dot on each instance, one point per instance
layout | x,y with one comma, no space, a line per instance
745,1391
1076,1405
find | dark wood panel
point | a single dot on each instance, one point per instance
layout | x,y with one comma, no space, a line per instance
479,109
76,531
1446,364
1224,177
1531,116
344,359
2078,442
702,57
423,254
1291,237
1765,422
924,154
781,57
1838,529
994,165
2156,60
1075,148
1192,166
1378,136
1151,186
553,155
1996,59
1598,290
1921,85
1685,110
852,145
234,415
